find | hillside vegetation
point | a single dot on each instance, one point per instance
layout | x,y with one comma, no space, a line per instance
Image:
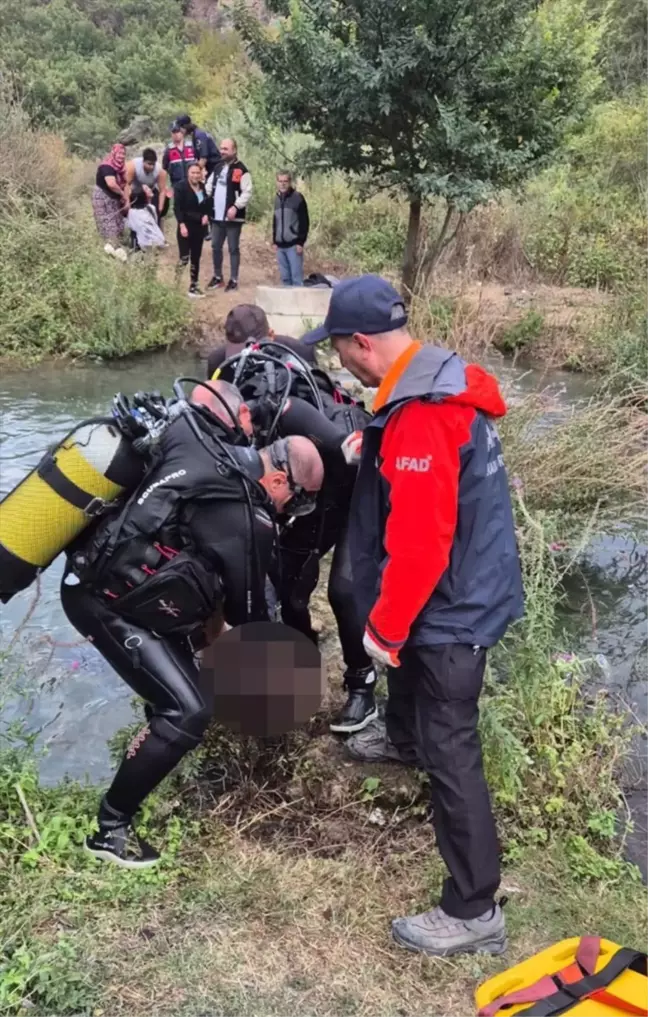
76,72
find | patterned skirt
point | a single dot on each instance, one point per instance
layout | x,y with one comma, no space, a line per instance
107,213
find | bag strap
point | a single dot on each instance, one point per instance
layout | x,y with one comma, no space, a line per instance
622,1005
554,994
593,984
588,952
541,989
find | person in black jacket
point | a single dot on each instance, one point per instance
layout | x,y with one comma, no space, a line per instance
191,206
290,226
186,552
304,542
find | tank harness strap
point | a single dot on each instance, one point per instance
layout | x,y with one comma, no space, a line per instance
51,473
557,993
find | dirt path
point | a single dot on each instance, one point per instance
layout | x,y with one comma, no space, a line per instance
566,312
258,266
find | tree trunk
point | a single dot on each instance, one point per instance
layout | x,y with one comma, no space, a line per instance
410,258
439,243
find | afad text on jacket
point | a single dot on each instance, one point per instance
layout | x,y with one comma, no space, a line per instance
435,558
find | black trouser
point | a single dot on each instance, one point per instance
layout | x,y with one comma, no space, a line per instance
163,673
231,230
432,712
299,576
191,247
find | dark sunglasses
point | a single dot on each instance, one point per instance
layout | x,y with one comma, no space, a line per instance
303,502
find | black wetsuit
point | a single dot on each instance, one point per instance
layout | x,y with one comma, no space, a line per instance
211,523
309,538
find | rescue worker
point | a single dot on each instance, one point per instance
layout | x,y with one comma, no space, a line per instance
203,143
437,578
179,154
193,540
304,542
247,321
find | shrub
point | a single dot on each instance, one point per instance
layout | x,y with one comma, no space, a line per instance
552,746
63,296
519,335
86,69
593,458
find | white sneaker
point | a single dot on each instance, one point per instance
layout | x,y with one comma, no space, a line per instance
120,254
109,249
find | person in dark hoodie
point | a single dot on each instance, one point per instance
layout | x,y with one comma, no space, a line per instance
437,577
202,142
290,226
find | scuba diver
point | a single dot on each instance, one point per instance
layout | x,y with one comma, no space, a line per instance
192,543
282,396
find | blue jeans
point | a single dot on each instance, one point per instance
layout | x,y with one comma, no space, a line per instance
291,266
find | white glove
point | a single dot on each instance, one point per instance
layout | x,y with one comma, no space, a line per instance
352,448
388,658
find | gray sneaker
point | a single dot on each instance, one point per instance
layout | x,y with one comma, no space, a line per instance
373,746
439,935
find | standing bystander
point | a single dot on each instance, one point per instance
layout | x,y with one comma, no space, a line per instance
230,187
289,230
190,206
437,577
204,146
178,158
109,200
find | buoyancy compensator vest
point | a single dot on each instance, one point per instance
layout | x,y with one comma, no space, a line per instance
141,558
267,374
96,463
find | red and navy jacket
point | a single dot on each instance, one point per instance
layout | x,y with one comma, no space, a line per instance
432,534
176,161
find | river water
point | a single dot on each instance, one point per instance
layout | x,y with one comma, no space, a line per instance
77,703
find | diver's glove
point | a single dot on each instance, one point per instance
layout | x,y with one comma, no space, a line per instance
378,652
352,448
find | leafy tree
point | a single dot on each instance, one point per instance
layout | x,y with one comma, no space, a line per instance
84,68
446,99
624,44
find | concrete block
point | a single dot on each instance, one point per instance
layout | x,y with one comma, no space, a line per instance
293,310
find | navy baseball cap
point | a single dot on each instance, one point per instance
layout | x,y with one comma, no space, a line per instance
366,304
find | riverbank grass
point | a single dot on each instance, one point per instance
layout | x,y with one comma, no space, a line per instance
284,862
236,923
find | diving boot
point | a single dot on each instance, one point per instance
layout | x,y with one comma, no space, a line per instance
117,842
360,708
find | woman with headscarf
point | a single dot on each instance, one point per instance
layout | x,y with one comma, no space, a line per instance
109,200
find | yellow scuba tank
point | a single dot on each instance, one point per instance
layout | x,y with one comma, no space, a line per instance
72,484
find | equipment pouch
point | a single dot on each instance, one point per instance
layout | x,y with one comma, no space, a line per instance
176,600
